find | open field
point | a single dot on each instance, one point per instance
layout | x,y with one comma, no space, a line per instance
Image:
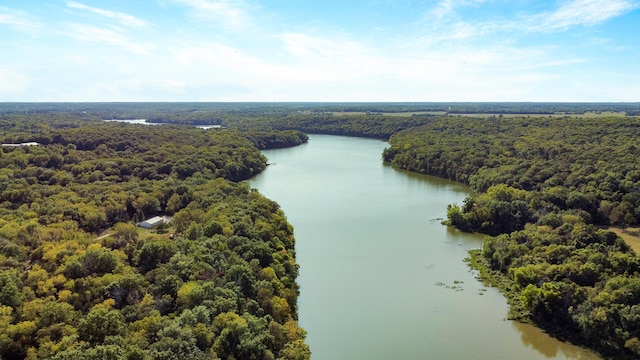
630,235
412,113
399,114
587,114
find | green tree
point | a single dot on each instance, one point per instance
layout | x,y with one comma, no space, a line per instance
154,253
10,294
100,323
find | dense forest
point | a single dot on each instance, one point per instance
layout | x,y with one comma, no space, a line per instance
548,179
377,120
544,190
213,113
78,278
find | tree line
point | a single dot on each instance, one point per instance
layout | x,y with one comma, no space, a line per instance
214,111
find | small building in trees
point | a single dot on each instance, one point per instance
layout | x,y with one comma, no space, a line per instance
22,144
152,222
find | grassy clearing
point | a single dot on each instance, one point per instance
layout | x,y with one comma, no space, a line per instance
559,115
345,113
630,235
406,114
398,114
165,233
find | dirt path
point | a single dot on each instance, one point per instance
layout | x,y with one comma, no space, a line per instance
102,236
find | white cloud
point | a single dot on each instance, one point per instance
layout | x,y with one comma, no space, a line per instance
307,65
12,85
303,59
112,37
310,67
18,20
447,7
124,19
217,57
311,47
315,68
581,12
230,14
444,24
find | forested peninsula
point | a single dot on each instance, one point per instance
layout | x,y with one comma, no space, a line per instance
549,181
78,278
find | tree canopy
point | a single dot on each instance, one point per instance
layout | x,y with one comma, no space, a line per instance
219,281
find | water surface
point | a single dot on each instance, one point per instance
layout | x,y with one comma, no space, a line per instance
145,122
380,276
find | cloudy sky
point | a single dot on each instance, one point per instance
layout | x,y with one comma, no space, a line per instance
320,50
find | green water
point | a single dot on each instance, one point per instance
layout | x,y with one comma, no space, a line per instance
380,276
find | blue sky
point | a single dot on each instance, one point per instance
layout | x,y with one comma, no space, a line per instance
304,50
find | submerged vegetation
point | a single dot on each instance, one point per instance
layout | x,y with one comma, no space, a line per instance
548,178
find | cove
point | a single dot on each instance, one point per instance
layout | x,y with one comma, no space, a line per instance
380,276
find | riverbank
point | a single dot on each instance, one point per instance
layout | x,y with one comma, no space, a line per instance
504,284
517,309
377,279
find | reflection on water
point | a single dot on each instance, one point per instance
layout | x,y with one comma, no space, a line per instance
530,336
145,122
133,121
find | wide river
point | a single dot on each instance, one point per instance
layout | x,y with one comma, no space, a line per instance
380,276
